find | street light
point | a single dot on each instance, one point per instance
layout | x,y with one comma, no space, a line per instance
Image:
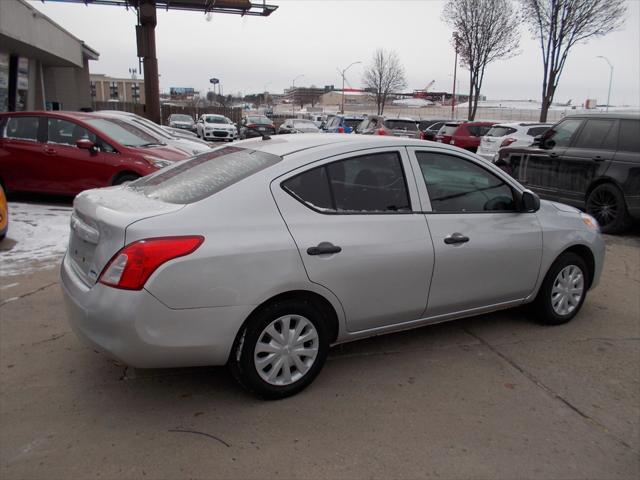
342,73
293,83
610,78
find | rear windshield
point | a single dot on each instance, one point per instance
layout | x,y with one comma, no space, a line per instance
401,125
202,176
449,129
352,122
500,131
478,130
259,120
180,118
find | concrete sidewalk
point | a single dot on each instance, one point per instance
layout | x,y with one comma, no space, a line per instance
495,396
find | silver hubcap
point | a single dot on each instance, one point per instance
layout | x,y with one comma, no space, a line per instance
286,350
567,290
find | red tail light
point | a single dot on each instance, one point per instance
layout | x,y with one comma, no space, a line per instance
507,141
132,266
252,125
381,131
340,130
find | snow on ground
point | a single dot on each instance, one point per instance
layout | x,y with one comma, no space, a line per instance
37,238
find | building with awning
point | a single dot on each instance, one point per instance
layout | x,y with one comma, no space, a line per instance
42,66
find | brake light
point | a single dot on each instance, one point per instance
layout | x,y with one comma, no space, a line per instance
131,267
252,125
381,131
507,141
340,130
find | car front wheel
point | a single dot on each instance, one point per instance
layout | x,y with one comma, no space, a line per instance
281,349
563,290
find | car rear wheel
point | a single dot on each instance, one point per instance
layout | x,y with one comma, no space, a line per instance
563,290
606,203
281,349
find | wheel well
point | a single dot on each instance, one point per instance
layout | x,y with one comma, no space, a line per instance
586,254
119,175
597,183
318,301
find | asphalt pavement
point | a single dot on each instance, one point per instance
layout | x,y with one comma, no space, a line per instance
496,396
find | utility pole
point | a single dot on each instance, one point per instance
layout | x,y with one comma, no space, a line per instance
146,39
293,90
610,79
342,73
456,43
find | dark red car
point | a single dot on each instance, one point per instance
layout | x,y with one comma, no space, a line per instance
466,135
67,152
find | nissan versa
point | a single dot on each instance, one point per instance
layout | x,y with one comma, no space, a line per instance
262,254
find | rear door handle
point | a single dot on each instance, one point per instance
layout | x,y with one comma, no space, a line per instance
599,158
553,155
324,248
456,238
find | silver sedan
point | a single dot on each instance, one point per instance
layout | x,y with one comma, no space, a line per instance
262,254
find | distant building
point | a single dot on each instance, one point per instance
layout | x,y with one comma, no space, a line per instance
112,89
351,98
42,66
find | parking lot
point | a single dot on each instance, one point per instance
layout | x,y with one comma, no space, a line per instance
494,396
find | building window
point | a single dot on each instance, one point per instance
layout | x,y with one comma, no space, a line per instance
135,92
113,91
92,86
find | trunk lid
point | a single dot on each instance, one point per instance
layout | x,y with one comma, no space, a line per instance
98,226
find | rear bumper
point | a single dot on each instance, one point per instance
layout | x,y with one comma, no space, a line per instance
136,329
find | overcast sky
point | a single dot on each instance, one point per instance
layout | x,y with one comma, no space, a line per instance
314,37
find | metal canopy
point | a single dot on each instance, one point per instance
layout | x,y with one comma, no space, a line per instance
238,7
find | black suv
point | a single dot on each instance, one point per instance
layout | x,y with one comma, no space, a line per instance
590,161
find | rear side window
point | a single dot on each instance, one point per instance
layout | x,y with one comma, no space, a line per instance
364,184
598,134
500,131
204,175
535,131
23,128
560,135
629,136
456,185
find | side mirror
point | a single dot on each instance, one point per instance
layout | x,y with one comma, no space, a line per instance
85,144
529,201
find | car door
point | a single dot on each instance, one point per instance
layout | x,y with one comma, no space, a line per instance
586,159
71,169
537,168
23,153
353,218
486,252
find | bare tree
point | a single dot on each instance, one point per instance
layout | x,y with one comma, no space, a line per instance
383,76
484,31
559,25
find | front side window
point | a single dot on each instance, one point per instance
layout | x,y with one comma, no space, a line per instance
66,133
365,184
560,135
456,185
449,129
23,128
598,134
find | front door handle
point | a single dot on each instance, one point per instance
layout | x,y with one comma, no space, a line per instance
49,150
456,238
599,158
553,154
324,248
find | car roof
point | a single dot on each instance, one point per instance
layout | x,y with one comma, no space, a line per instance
522,124
283,145
613,115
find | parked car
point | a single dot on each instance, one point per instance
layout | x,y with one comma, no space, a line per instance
318,119
589,161
216,127
181,121
397,127
509,134
4,214
67,152
465,135
429,128
255,126
178,132
262,254
343,123
190,146
298,125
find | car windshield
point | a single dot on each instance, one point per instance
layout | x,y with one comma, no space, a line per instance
259,120
123,132
203,175
181,118
500,131
401,125
216,120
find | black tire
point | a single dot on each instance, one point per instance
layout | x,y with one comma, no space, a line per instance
606,203
543,310
127,177
242,363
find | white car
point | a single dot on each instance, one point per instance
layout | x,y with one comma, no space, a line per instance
509,135
216,127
